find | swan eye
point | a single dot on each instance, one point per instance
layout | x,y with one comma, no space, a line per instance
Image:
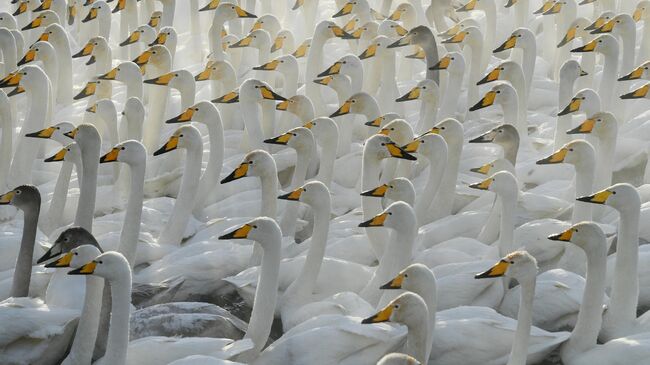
18,192
406,275
281,61
512,262
118,68
175,75
181,135
383,144
57,128
67,149
250,162
76,253
390,213
100,262
196,109
255,227
442,128
424,87
396,306
391,186
453,58
498,91
571,149
614,192
123,148
294,134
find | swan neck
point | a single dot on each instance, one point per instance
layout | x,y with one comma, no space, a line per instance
585,173
23,271
269,184
88,189
84,341
507,223
519,350
416,340
132,218
215,162
306,281
118,333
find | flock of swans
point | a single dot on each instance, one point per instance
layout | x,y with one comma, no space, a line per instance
357,182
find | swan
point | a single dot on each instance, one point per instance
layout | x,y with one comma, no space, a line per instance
489,8
513,73
223,13
89,141
584,101
44,52
132,119
397,189
638,73
385,67
298,106
287,65
582,348
454,63
642,13
587,60
128,73
261,40
56,36
326,133
569,73
525,39
608,46
284,41
143,33
181,80
639,93
565,13
44,19
167,37
505,136
102,13
423,37
128,19
427,91
58,6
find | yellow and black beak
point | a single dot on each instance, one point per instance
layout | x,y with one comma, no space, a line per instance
64,261
238,234
443,64
404,41
301,51
555,9
171,145
605,28
282,139
231,97
483,170
298,4
597,198
486,137
332,70
205,74
345,10
241,13
86,51
564,236
293,196
457,38
396,283
510,3
343,109
162,80
413,146
16,91
324,81
487,100
269,94
381,316
585,127
87,91
639,93
27,58
160,39
375,122
59,156
87,269
557,157
573,107
211,5
546,6
34,23
121,5
508,44
397,152
269,66
92,14
278,43
13,79
376,221
589,47
72,14
143,58
72,134
420,55
282,106
134,37
236,174
498,270
153,21
414,94
638,14
351,24
634,75
92,108
111,156
22,7
110,75
369,52
378,192
185,116
43,133
597,24
492,76
244,42
6,198
471,5
568,37
483,185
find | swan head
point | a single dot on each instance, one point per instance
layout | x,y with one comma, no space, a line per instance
381,147
76,257
144,33
69,153
284,40
166,36
586,235
520,37
299,138
641,72
424,90
286,64
399,130
620,24
216,70
99,8
396,358
298,105
55,132
68,240
338,82
29,77
604,43
7,20
575,30
110,265
450,129
420,35
313,193
347,65
391,29
228,11
471,36
24,197
262,230
639,93
403,12
518,265
328,29
503,183
176,79
377,47
359,103
323,128
252,90
505,71
105,109
156,55
259,39
571,70
453,62
492,167
154,19
130,152
408,308
123,72
600,124
458,27
370,30
583,100
412,278
642,11
255,163
43,19
187,137
398,216
39,51
203,111
398,189
302,49
602,19
502,93
268,22
623,197
430,145
94,47
353,6
134,110
382,120
578,153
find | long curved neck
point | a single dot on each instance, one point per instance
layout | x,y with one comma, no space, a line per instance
563,121
6,124
83,344
431,55
88,188
304,157
371,206
476,69
447,191
23,271
397,256
252,116
519,351
584,186
187,91
134,87
158,97
269,184
215,162
491,24
10,58
628,38
327,160
169,8
644,52
606,89
607,153
59,196
427,290
131,228
528,66
429,113
104,24
416,341
314,64
175,228
452,93
436,172
290,83
507,223
118,333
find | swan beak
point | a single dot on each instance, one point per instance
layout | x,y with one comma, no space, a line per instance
400,30
27,58
487,100
34,23
508,44
171,145
376,221
343,110
309,125
585,2
143,58
50,253
467,7
278,43
555,9
244,42
211,5
583,72
413,146
92,109
293,196
22,7
91,60
397,152
160,39
256,26
492,76
384,131
434,130
568,37
556,157
510,3
375,122
598,198
87,91
121,4
44,37
238,234
564,236
110,75
238,173
457,38
573,107
72,134
585,127
378,192
414,94
396,283
7,198
282,139
43,133
86,51
397,15
639,93
498,270
205,74
284,105
269,66
369,52
111,156
450,32
335,69
241,13
324,81
589,47
163,80
298,4
92,14
134,37
13,79
301,51
487,137
638,13
548,4
16,91
483,185
634,75
231,97
153,21
381,316
404,41
340,33
72,14
350,25
443,64
62,262
345,10
419,55
269,94
87,269
606,28
597,24
185,116
483,170
59,156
